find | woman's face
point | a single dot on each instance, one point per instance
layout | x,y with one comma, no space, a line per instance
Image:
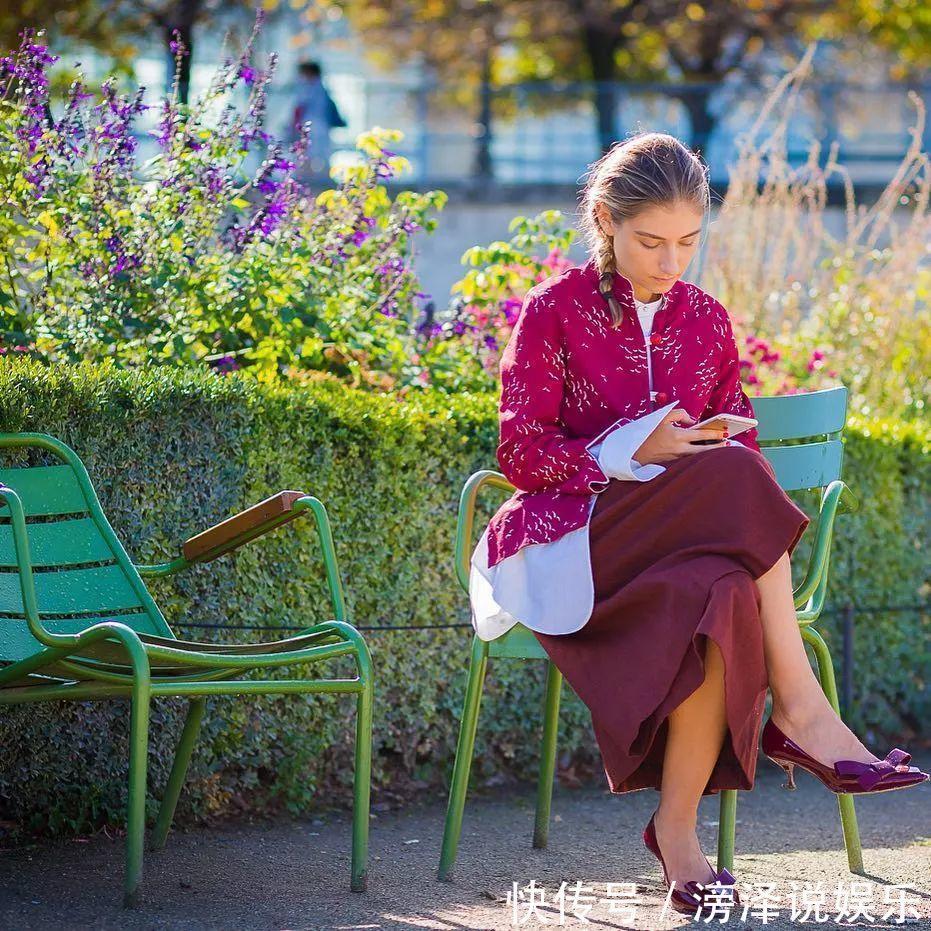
654,247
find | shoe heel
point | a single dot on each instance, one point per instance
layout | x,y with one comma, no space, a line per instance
789,769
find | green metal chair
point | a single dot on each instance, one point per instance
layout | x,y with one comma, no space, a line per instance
815,464
80,624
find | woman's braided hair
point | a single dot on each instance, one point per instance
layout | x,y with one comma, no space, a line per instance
645,170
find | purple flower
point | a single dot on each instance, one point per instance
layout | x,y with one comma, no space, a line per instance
250,134
224,364
247,73
115,141
38,173
394,264
359,237
214,181
272,215
511,307
268,186
166,124
27,69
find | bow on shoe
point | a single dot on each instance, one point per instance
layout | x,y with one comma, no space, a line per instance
722,878
868,774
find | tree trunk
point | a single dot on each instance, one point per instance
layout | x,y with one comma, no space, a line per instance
696,100
600,47
483,168
181,19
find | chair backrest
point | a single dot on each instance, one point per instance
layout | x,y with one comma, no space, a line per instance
809,415
818,416
82,573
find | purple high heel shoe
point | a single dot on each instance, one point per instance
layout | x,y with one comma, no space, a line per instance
692,896
847,776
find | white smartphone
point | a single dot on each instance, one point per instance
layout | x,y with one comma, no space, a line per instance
733,422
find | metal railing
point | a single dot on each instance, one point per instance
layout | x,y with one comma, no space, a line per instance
547,133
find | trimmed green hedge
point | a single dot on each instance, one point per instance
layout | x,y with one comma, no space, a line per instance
173,451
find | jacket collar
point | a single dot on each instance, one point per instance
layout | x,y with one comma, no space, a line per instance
623,288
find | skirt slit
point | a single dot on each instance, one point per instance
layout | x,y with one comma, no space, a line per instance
674,563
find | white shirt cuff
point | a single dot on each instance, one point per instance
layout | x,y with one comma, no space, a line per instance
616,451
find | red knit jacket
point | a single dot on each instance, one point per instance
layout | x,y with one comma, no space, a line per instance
568,378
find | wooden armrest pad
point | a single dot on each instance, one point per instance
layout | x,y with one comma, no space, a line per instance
246,522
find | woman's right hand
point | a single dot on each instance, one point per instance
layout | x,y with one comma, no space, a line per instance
668,441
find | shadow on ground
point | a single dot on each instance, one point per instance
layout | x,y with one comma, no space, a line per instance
295,874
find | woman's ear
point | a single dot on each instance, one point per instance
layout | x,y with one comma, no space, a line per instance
604,219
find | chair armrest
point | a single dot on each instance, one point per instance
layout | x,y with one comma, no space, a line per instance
466,519
239,529
254,522
837,497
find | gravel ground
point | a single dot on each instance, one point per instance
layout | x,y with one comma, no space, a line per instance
294,874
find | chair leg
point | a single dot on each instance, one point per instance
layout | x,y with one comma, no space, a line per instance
464,749
848,815
547,755
178,771
135,820
362,780
727,822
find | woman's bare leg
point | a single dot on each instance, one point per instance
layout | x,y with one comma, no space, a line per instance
800,708
696,731
697,727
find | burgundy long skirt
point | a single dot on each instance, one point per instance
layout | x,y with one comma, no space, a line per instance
674,561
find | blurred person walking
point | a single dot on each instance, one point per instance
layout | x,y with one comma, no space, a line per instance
313,103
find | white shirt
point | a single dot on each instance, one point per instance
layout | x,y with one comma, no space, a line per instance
548,587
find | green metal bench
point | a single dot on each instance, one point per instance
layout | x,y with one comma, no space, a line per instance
78,623
815,464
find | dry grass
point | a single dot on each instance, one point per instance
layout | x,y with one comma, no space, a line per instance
860,297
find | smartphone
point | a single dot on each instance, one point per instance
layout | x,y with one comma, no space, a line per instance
734,424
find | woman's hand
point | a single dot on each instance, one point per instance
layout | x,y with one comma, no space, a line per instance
668,441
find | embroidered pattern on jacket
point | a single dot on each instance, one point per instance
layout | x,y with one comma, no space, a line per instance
568,377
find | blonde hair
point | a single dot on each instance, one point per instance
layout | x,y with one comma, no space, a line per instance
645,170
